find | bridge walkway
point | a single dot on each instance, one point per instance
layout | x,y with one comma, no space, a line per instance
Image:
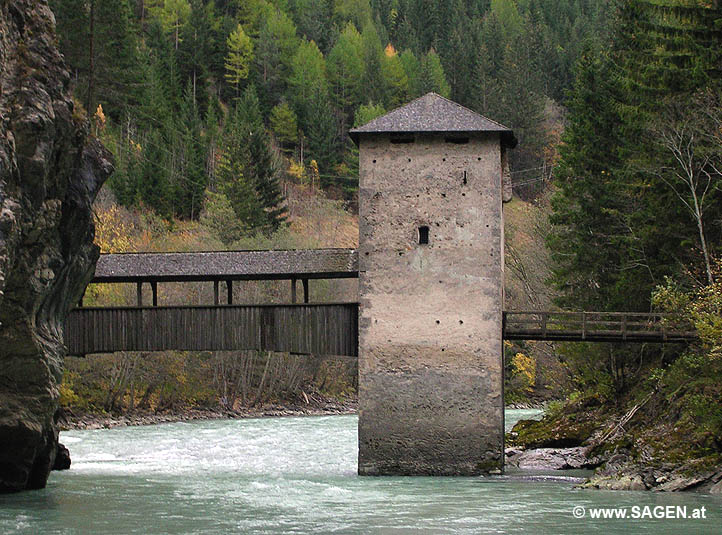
304,328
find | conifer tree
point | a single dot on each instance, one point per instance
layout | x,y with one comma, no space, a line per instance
432,77
239,57
346,70
322,132
284,124
173,14
154,188
194,179
249,174
396,83
194,50
589,240
412,68
308,77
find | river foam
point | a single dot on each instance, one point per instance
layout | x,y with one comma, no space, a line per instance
298,475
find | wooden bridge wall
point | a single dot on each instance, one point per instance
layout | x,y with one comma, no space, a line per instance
319,329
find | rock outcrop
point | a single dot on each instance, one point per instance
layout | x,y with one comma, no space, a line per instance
551,459
62,458
50,172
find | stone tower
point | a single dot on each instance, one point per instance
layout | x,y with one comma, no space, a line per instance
431,261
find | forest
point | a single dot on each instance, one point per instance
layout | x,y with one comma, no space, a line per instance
233,96
228,121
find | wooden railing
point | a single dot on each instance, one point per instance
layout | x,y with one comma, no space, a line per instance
318,329
595,327
324,329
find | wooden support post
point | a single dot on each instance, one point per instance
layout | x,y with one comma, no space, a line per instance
139,293
293,290
305,290
584,325
215,293
229,286
154,289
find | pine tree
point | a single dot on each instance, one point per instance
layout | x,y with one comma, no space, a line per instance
313,20
105,52
590,236
154,188
373,51
194,179
432,75
412,68
284,124
238,60
72,26
346,70
322,132
396,83
173,14
194,50
308,77
249,173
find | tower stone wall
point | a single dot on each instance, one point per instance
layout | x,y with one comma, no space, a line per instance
430,320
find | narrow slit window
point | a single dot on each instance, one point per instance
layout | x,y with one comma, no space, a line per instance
457,140
399,140
423,235
465,180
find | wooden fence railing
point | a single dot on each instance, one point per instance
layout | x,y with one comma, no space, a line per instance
595,327
319,329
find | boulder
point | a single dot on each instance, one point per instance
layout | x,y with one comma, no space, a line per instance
551,459
50,172
62,458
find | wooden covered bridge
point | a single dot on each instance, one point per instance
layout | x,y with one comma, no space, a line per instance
298,326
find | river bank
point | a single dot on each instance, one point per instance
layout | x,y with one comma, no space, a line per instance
325,407
71,421
638,445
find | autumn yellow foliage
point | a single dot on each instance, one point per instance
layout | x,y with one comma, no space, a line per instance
524,371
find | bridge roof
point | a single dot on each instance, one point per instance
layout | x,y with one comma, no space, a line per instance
433,113
227,265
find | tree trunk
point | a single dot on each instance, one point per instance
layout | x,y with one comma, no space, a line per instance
702,239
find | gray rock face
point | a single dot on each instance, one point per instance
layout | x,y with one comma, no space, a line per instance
621,472
50,172
551,459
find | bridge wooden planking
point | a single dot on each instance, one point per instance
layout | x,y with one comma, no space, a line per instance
322,329
595,327
319,329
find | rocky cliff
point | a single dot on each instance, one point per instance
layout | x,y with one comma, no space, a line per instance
50,172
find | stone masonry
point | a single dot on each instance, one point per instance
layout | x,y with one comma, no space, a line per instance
430,332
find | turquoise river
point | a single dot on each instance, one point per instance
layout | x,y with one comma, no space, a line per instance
298,475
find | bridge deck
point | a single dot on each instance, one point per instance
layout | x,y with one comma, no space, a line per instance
595,327
321,329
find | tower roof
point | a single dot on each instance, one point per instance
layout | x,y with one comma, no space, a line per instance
433,113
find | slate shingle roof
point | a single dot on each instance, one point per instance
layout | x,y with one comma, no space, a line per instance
433,113
236,265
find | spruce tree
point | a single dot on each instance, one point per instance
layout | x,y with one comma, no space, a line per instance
590,234
249,173
194,179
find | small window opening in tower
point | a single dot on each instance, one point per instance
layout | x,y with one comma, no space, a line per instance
398,140
465,181
423,235
456,140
